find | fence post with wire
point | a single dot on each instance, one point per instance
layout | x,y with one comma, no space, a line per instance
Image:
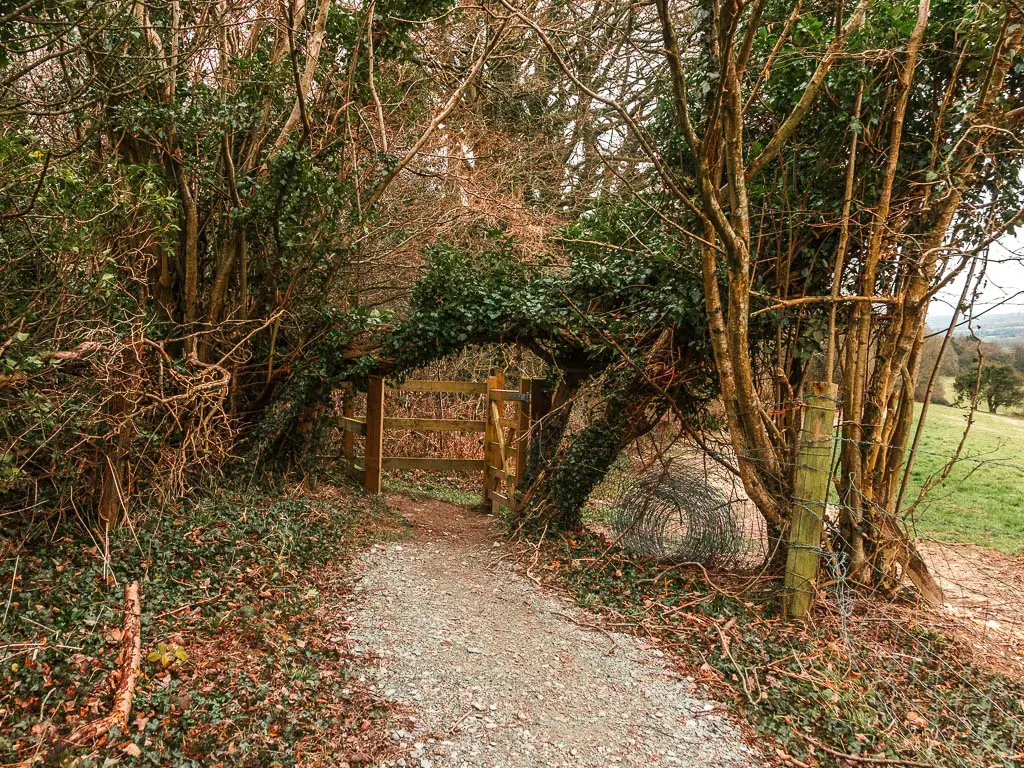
810,493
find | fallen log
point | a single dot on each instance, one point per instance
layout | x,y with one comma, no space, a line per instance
125,676
123,681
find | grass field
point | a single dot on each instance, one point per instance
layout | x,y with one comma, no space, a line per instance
982,500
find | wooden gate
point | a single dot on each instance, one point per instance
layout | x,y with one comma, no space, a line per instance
505,434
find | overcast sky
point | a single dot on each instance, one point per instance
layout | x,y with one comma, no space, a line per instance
1003,291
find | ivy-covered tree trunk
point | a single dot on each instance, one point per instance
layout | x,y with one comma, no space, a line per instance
634,403
548,432
558,494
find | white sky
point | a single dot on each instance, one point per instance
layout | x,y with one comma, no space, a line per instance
1003,290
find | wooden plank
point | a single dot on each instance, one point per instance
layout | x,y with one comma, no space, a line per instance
488,438
500,434
503,474
810,490
522,434
492,457
348,440
350,424
437,425
355,471
374,434
509,396
512,424
429,385
428,463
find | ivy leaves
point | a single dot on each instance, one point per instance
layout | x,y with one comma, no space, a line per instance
619,278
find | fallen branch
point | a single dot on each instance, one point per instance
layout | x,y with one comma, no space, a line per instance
124,679
586,625
126,675
866,760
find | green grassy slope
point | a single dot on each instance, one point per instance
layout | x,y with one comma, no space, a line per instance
982,501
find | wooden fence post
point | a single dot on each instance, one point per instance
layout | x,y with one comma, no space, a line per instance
495,451
499,461
540,406
522,438
810,494
348,439
373,454
540,400
489,439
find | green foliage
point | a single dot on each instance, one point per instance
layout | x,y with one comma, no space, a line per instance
997,385
624,279
238,668
167,654
796,201
824,133
97,205
584,465
65,286
627,295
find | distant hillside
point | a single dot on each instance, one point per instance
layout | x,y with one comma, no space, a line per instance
1001,329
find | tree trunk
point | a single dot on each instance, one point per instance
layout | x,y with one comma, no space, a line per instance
548,433
556,498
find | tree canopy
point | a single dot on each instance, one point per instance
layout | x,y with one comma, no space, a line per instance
215,213
998,385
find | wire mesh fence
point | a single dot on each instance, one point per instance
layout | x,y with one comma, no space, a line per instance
946,679
677,511
676,501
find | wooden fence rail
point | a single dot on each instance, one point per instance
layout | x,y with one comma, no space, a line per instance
505,437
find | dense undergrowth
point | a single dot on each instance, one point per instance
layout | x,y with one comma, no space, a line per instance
880,687
242,634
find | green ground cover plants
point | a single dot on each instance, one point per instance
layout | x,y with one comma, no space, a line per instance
244,660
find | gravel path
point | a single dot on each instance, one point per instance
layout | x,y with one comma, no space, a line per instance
497,673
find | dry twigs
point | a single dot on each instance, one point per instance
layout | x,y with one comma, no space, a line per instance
866,760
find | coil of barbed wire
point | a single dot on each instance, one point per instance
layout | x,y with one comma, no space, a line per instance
672,513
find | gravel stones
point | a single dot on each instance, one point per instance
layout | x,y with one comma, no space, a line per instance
496,673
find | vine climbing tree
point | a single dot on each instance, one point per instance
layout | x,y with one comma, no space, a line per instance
627,325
